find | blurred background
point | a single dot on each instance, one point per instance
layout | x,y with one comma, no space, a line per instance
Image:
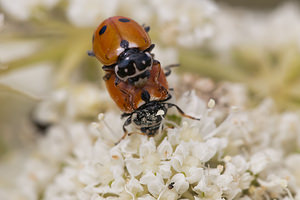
43,59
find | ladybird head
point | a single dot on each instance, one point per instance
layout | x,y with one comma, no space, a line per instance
133,65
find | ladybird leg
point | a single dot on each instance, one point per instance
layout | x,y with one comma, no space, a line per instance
129,97
155,62
150,48
169,70
91,53
126,115
166,99
140,133
181,111
126,123
108,67
117,81
146,28
106,77
145,96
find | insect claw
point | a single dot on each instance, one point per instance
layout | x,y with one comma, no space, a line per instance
91,53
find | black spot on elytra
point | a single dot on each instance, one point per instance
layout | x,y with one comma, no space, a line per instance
102,30
124,20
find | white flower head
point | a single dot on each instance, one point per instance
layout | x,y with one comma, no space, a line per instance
200,159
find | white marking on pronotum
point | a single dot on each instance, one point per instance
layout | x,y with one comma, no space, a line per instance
119,50
132,45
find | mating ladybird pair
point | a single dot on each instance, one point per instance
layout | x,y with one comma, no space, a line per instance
134,79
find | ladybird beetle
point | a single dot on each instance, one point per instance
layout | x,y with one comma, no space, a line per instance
123,46
128,97
147,106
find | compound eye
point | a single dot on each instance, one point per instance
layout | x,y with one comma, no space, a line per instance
125,70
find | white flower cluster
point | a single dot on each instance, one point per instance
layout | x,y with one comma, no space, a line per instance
23,10
263,29
250,155
184,24
187,24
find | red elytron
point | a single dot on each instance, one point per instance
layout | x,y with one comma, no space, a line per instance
123,46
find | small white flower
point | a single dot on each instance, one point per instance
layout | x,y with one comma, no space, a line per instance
192,104
147,147
154,183
117,185
165,149
165,170
180,183
194,175
204,151
134,186
240,163
223,181
208,189
178,157
133,166
258,162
